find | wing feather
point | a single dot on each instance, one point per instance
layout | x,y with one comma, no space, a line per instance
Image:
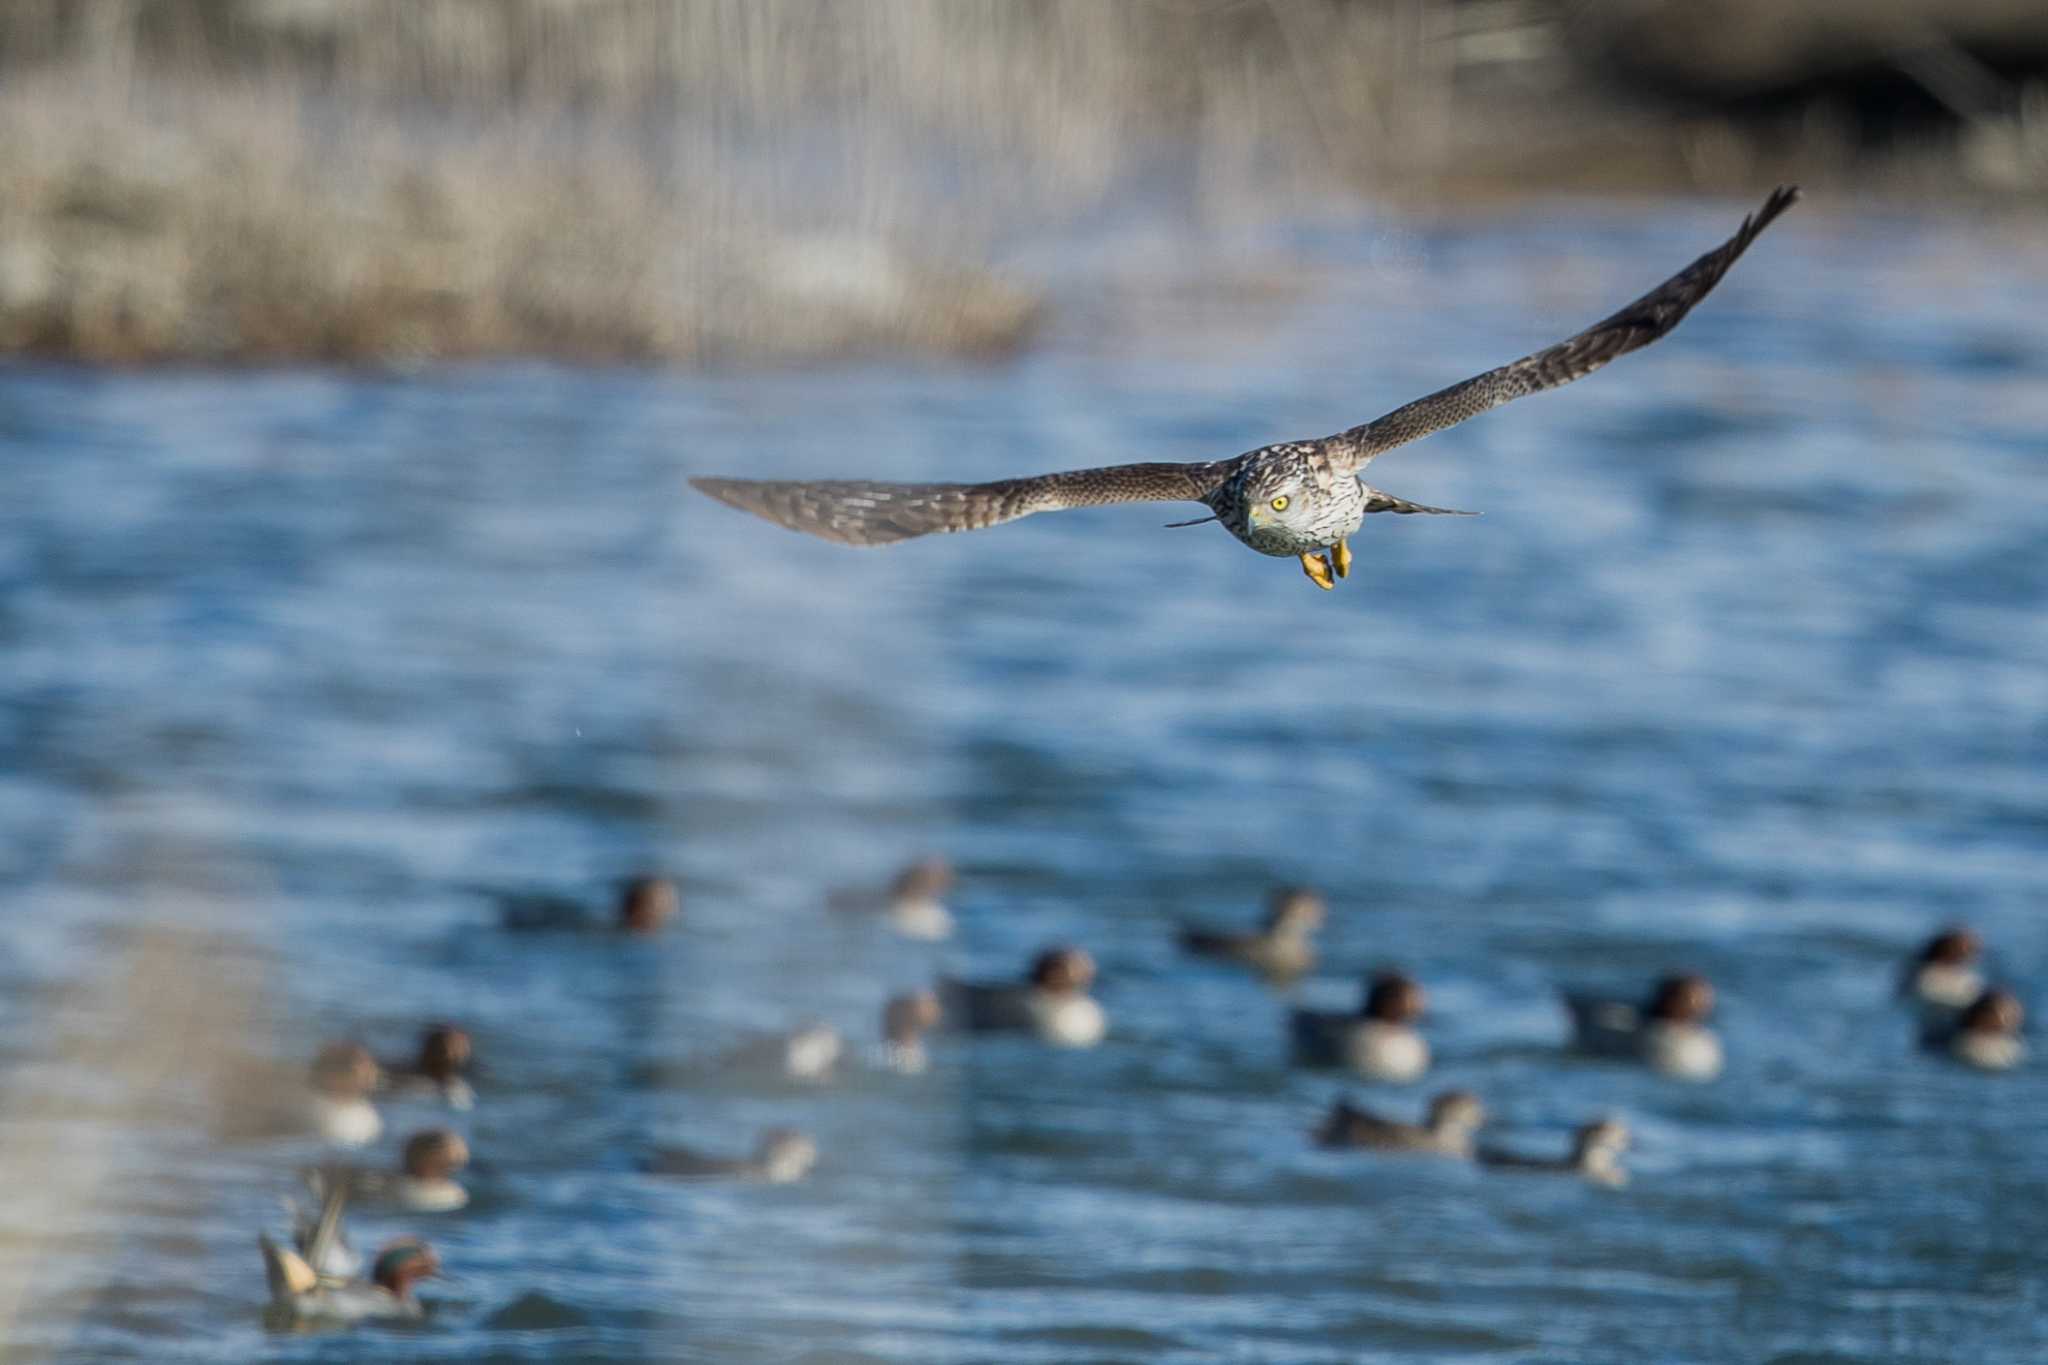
1635,326
860,512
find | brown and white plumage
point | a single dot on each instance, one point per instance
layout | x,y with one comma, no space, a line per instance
1293,498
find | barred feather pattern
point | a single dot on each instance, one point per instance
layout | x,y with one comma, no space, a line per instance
1633,327
860,512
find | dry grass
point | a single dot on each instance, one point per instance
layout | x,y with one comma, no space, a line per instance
725,180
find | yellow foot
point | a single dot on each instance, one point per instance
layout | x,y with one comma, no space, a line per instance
1341,559
1317,567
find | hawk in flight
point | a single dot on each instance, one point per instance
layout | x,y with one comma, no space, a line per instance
1299,498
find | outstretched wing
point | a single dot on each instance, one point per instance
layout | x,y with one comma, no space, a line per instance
1639,324
857,512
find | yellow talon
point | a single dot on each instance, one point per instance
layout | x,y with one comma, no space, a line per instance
1317,567
1342,560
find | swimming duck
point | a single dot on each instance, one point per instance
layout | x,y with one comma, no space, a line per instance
781,1157
1281,948
423,1183
1944,975
1379,1042
645,904
1454,1116
439,1070
337,1105
1595,1156
300,1295
1667,1033
1053,1001
806,1053
913,903
905,1021
1986,1035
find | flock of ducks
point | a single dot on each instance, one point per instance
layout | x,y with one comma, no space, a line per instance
318,1278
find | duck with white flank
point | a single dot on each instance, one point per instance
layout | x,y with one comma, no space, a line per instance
1986,1035
913,903
1943,975
440,1071
1595,1156
1667,1033
423,1183
1379,1042
1454,1117
782,1156
337,1105
905,1021
1052,1001
809,1052
1283,948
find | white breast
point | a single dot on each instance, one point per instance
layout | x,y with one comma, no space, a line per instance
1991,1051
1386,1052
346,1123
1684,1051
1068,1020
922,919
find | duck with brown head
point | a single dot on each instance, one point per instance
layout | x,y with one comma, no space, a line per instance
905,1021
423,1183
1986,1035
1379,1041
642,906
913,903
339,1085
300,1296
1052,1002
439,1070
1282,949
1943,975
1667,1032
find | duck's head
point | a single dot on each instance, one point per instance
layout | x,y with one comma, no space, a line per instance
1955,946
1394,998
1456,1111
435,1154
927,879
1686,998
1600,1140
1994,1012
1295,910
1063,970
785,1155
403,1264
906,1017
445,1052
647,903
345,1071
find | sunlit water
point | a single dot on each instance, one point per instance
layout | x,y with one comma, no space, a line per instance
1745,669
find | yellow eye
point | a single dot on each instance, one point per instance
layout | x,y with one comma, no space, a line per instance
1280,503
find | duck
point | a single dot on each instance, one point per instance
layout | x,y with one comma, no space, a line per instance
645,903
337,1104
1595,1156
905,1021
1051,1002
1282,948
1379,1041
1666,1033
809,1052
913,903
300,1295
1454,1116
781,1157
1944,974
1985,1035
439,1070
423,1183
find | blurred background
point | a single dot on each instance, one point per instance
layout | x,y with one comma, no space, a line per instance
351,589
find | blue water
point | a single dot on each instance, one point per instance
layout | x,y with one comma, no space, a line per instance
1744,670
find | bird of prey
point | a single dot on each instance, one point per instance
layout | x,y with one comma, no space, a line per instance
1299,498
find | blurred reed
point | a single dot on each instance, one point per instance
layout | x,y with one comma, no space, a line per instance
730,180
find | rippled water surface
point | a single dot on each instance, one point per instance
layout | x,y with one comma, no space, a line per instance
1744,669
